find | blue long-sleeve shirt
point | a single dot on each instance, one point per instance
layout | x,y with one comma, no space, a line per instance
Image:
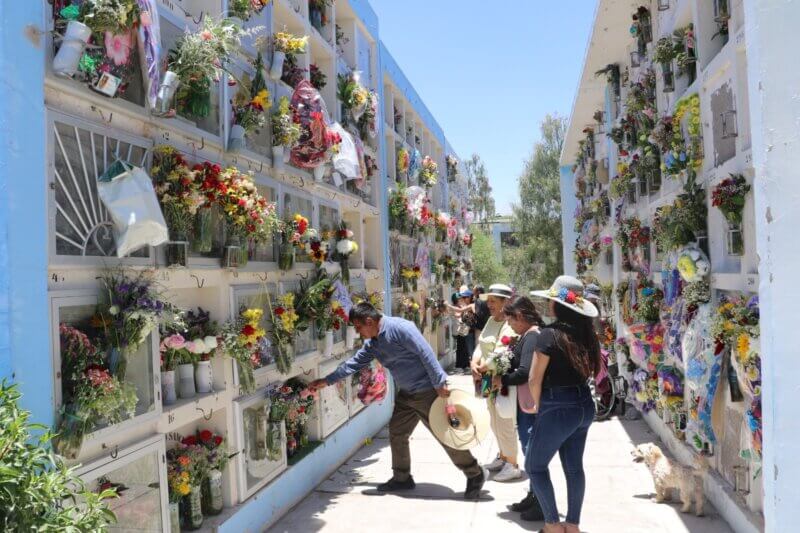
402,349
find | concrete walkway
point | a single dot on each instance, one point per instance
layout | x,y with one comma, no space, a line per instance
617,496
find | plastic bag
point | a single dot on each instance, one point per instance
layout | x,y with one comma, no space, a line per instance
315,138
128,194
506,405
346,161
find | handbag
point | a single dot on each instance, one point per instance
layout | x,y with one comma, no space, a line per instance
462,330
129,196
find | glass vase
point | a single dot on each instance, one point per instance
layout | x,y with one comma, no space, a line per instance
286,255
212,493
235,253
203,234
175,517
176,251
70,437
259,444
192,509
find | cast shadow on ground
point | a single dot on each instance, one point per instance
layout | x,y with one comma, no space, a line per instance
426,491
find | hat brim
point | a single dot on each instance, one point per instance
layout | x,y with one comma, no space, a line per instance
485,296
466,294
586,308
473,413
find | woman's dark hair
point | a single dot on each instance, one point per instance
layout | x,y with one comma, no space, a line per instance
577,338
478,290
364,311
523,306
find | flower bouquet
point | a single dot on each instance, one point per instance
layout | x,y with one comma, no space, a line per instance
403,161
284,319
372,384
318,250
281,401
295,234
245,9
355,98
429,173
318,78
285,132
179,191
249,108
198,60
398,209
410,310
374,298
729,197
217,457
316,13
285,44
241,340
92,395
187,468
498,364
452,168
409,275
249,217
345,247
317,139
299,415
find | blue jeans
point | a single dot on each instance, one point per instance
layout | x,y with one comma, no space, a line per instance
562,424
525,423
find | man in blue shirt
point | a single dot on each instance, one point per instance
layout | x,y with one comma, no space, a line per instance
400,347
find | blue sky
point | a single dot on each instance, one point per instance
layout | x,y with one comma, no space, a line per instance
490,71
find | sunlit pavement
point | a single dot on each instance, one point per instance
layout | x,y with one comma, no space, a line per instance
618,491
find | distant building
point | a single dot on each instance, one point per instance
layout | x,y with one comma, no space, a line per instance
502,233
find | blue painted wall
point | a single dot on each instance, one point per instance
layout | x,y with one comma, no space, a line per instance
24,315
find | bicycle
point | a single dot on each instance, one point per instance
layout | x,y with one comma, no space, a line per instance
609,389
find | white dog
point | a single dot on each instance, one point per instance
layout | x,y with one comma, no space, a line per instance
668,474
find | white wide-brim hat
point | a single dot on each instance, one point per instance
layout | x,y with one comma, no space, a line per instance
472,417
568,291
499,290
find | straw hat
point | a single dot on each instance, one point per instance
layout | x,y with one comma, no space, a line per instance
499,290
472,417
569,292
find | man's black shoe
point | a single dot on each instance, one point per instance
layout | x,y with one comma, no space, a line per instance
475,484
395,486
534,513
523,505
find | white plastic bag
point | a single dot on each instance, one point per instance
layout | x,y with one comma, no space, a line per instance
346,161
128,194
506,406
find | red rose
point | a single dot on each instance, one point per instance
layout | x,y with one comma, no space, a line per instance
205,435
506,340
570,297
279,311
302,226
189,441
217,440
248,330
301,410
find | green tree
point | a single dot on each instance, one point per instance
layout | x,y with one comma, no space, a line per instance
487,267
481,200
37,491
537,217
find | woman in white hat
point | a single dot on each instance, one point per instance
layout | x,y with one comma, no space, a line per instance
489,340
567,353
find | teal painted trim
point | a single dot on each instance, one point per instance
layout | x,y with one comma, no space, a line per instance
24,313
277,498
568,205
393,70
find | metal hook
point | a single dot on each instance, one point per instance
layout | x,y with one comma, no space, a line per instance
102,116
235,273
302,182
189,15
306,372
332,196
114,454
261,168
210,413
202,144
300,275
355,205
262,278
200,283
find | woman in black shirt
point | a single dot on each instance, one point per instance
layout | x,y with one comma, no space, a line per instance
525,320
567,354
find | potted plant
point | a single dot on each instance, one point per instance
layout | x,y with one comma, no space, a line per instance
285,44
285,132
249,107
198,60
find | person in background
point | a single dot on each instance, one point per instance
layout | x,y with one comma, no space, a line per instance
464,312
481,309
567,353
419,378
525,320
489,340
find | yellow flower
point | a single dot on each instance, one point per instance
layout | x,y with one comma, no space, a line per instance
253,315
262,99
743,345
183,489
753,373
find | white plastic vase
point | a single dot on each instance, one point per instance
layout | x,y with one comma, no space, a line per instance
168,396
203,377
350,337
65,62
277,156
186,381
327,344
276,70
319,172
236,139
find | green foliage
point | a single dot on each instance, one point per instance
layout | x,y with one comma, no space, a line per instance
481,200
537,217
37,491
486,264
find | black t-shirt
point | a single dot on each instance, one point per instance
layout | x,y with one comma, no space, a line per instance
559,372
522,360
482,314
